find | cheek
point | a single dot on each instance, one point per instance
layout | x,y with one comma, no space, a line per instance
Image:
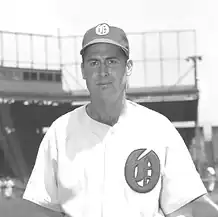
91,80
120,77
123,81
89,75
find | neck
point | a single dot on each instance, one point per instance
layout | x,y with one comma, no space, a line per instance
107,112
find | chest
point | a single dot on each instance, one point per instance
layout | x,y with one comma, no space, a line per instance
122,163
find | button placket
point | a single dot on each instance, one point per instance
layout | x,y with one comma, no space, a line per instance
110,148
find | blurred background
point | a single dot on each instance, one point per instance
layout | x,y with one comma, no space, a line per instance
174,49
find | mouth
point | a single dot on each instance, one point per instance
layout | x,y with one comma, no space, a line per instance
103,83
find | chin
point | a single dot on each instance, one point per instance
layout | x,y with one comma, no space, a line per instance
109,98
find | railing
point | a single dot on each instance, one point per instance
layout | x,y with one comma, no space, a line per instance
160,57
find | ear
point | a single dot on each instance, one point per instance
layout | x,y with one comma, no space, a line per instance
129,66
82,70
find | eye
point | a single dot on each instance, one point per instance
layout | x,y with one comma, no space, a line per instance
93,63
112,61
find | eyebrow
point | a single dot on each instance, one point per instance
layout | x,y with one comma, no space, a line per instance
91,59
113,58
96,58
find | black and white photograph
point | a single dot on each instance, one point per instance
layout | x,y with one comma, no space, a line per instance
108,108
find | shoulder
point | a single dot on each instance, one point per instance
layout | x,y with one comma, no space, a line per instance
62,127
154,125
147,116
68,120
69,117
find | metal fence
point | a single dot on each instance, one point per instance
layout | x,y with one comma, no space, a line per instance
160,57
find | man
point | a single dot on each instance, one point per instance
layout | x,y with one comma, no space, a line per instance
113,157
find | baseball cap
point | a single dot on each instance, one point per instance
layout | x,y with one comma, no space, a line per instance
103,33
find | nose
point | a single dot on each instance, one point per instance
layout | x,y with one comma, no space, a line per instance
103,70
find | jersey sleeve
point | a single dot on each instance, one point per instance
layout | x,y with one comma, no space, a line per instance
42,185
181,183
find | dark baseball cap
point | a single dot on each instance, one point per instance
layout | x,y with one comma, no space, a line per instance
103,33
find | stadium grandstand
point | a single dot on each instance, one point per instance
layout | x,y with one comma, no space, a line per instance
40,80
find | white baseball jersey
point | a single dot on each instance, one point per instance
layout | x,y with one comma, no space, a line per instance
139,167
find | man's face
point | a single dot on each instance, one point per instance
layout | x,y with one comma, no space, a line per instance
104,68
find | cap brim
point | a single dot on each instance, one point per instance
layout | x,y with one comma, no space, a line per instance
104,40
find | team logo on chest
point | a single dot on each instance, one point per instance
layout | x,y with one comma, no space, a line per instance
142,172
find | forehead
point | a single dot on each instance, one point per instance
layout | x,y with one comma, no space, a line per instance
104,50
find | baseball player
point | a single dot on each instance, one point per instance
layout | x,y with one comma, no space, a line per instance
211,176
113,157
